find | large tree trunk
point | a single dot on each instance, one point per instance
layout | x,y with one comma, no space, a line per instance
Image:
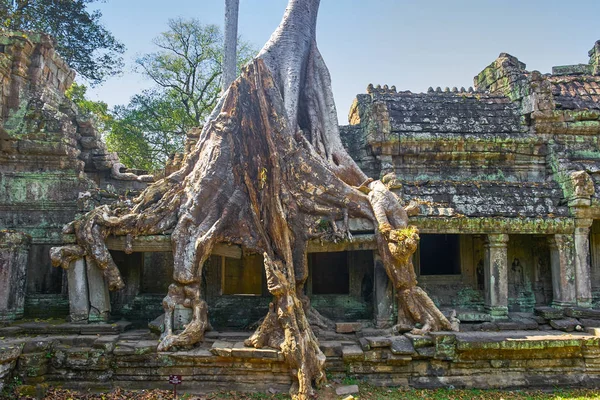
230,43
269,164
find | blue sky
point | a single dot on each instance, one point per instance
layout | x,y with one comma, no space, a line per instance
412,44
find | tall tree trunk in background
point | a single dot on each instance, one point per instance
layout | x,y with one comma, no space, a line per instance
268,167
230,52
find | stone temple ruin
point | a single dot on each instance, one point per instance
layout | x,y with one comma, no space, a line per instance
504,180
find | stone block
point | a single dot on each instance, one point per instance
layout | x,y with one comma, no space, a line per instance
157,325
100,329
375,332
474,316
376,355
241,351
37,345
106,343
348,327
364,344
331,348
346,390
221,348
267,353
11,331
565,324
488,326
526,324
10,353
398,359
379,341
352,353
582,313
419,341
401,345
549,312
589,322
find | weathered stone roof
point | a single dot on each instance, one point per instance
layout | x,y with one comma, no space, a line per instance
574,92
488,199
446,112
522,145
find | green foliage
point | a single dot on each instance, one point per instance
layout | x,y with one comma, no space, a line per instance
80,37
186,71
97,110
10,387
145,132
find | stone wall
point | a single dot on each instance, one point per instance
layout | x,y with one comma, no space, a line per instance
461,360
53,163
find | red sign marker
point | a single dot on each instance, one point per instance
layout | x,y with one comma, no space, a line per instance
175,380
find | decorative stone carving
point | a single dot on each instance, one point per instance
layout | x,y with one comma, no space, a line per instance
581,187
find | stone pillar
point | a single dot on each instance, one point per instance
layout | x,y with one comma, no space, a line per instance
181,317
14,251
495,271
383,295
583,281
98,291
562,264
79,300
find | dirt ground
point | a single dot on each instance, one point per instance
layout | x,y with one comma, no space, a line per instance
367,392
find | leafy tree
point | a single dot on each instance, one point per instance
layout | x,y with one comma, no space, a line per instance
81,39
186,71
148,130
94,109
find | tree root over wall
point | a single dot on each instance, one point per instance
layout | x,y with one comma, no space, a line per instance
269,164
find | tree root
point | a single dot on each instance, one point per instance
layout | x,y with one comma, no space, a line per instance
269,163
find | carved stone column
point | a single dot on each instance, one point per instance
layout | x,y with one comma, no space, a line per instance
14,251
98,291
383,295
562,253
583,275
495,271
79,299
580,187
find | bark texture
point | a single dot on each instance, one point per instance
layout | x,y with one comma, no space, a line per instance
230,38
268,166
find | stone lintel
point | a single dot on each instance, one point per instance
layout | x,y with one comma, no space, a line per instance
493,225
496,240
159,243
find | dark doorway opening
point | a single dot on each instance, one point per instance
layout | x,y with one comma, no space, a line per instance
439,255
330,273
